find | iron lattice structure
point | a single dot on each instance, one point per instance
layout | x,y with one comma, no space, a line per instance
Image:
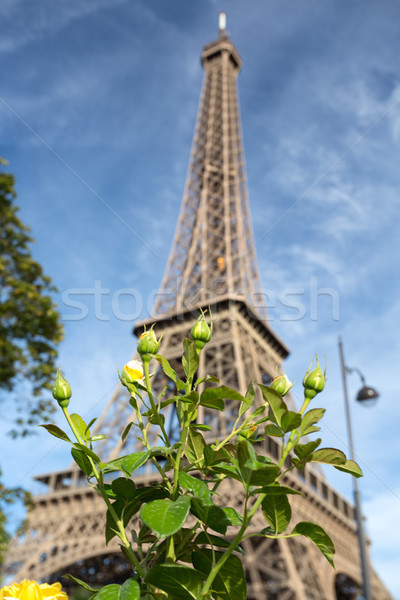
212,262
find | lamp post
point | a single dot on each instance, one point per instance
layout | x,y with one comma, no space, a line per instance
367,395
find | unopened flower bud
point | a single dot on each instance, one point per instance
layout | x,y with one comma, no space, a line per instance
132,371
281,384
148,344
201,332
314,381
62,391
249,434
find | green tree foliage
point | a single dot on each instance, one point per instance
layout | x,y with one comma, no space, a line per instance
30,325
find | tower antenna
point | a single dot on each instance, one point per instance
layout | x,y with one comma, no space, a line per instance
222,21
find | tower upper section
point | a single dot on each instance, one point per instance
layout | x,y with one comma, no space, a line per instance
213,254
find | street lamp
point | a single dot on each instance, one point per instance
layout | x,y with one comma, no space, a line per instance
368,396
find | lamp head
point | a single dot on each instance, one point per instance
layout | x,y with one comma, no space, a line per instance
367,395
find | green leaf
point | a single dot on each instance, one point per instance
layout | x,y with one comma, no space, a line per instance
191,398
80,426
130,590
82,461
214,397
86,586
166,367
88,452
109,592
190,358
194,450
246,454
112,465
273,430
250,395
183,583
233,517
230,582
124,488
305,450
200,427
210,514
197,487
248,400
253,469
133,461
213,457
97,438
165,517
276,404
126,431
210,378
157,419
214,540
350,467
330,456
277,512
290,420
317,535
263,474
227,469
215,403
309,419
57,432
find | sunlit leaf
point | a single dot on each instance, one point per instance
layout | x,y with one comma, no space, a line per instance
165,517
82,461
290,420
309,419
330,456
230,582
276,404
80,426
194,450
133,461
277,512
319,536
57,432
190,358
350,467
196,486
180,582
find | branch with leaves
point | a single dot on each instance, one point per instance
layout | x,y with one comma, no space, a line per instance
180,550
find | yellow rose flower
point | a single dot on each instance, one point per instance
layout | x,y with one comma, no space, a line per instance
31,590
132,371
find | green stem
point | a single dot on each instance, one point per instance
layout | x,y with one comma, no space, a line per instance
214,571
99,477
170,558
146,365
292,441
183,440
148,447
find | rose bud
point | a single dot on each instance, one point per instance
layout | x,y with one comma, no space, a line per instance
148,344
314,381
62,391
281,384
132,371
201,332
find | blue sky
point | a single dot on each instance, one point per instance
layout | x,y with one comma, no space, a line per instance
98,101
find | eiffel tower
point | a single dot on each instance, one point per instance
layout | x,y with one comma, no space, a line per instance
212,263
